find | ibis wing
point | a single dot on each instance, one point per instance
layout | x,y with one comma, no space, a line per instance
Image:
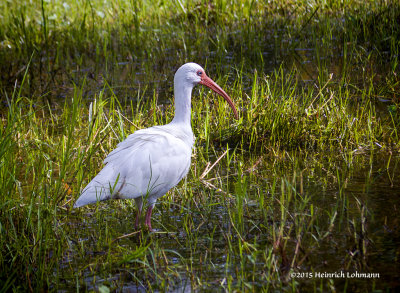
148,163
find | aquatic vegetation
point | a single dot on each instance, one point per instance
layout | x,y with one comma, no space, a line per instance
300,187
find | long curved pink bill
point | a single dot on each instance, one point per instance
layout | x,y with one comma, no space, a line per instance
208,82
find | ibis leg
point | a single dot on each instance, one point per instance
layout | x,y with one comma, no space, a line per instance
148,218
139,205
139,212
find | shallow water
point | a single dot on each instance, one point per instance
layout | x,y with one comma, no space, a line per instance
364,238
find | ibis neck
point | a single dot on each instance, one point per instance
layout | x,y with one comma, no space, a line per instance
183,96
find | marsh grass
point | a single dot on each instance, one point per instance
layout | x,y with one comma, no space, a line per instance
285,193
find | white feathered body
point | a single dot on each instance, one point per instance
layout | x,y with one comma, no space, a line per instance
146,164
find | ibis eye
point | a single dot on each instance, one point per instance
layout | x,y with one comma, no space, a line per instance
199,73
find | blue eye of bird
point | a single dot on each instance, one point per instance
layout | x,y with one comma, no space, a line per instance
199,73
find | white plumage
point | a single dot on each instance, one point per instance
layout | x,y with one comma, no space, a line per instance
151,161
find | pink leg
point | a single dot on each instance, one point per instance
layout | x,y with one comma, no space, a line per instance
138,219
148,218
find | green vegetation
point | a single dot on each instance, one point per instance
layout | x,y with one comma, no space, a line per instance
308,177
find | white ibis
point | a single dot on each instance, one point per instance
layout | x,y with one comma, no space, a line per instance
151,161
